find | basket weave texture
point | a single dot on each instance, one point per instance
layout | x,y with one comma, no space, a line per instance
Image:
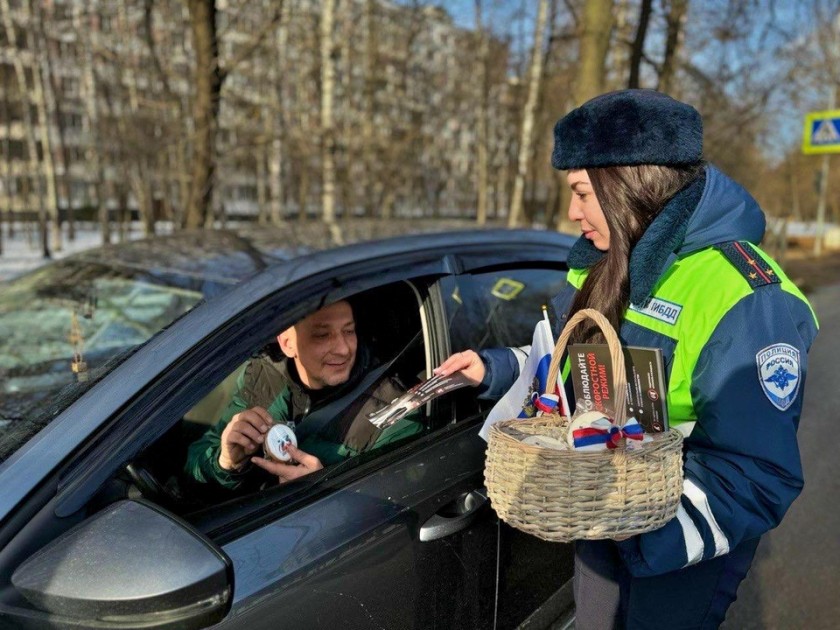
565,495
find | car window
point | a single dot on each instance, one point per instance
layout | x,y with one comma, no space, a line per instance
182,470
495,310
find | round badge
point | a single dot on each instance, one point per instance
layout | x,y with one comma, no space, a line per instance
279,436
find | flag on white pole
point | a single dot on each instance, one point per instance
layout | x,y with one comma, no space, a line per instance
524,399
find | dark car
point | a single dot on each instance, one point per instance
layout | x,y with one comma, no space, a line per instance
115,361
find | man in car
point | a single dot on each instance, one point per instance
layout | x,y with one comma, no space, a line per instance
322,367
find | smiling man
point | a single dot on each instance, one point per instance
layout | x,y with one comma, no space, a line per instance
322,362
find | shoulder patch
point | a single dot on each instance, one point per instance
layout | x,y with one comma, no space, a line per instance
752,266
779,374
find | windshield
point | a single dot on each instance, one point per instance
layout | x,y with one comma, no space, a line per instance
67,324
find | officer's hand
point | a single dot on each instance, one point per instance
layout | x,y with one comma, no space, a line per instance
467,362
243,435
302,464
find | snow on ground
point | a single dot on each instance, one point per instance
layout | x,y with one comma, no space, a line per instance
23,252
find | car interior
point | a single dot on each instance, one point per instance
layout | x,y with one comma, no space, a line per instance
388,322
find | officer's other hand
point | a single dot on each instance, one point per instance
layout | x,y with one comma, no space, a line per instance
302,464
243,435
467,362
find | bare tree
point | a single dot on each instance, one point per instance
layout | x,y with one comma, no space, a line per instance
328,144
205,113
535,76
639,43
482,160
675,18
278,117
24,94
594,45
38,95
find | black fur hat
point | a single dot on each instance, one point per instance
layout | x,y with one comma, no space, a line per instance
626,128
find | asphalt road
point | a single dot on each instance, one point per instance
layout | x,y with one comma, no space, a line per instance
795,580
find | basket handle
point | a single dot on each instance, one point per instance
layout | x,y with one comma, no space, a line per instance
616,356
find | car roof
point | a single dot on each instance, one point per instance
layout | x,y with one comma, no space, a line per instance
219,258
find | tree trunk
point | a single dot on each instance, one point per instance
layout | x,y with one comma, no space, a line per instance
303,193
327,127
90,123
369,193
677,14
526,137
32,152
262,183
794,192
624,38
482,161
639,44
208,87
277,123
594,46
6,205
56,115
39,96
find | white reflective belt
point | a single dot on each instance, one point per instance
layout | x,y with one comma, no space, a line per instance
693,539
521,355
701,503
685,427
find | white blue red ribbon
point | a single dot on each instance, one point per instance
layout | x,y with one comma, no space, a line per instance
546,403
604,432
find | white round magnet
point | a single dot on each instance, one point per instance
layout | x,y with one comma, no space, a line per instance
279,436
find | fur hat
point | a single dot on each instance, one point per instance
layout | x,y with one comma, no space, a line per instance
626,128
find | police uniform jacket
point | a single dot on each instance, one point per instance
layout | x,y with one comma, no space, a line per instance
734,332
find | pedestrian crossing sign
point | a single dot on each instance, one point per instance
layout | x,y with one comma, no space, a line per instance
821,133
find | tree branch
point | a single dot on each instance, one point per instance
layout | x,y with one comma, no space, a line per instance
255,43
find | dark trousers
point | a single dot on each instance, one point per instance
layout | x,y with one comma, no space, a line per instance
607,597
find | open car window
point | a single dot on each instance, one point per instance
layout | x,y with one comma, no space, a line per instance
180,472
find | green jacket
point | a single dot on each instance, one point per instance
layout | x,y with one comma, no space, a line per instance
274,385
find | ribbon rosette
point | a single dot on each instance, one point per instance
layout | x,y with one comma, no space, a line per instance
546,403
603,432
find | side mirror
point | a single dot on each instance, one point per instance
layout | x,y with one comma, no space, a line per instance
129,565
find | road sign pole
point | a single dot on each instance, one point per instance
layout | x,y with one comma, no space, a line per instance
824,169
818,235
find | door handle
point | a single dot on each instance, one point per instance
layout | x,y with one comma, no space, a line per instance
454,516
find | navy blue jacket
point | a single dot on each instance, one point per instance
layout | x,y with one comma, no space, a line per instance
735,336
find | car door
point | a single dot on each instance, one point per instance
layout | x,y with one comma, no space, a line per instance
496,308
403,539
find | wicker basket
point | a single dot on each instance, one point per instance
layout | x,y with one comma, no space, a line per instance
565,495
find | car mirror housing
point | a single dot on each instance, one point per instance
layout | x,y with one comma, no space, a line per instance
129,565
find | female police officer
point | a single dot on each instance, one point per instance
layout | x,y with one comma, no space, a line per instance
668,253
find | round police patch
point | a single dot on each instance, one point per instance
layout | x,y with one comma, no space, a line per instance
779,374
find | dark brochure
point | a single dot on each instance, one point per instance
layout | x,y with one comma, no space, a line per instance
592,379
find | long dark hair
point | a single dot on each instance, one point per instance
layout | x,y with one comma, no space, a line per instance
631,198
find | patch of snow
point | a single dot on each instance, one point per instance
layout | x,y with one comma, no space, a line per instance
23,252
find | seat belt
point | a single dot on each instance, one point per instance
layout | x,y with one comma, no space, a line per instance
318,419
